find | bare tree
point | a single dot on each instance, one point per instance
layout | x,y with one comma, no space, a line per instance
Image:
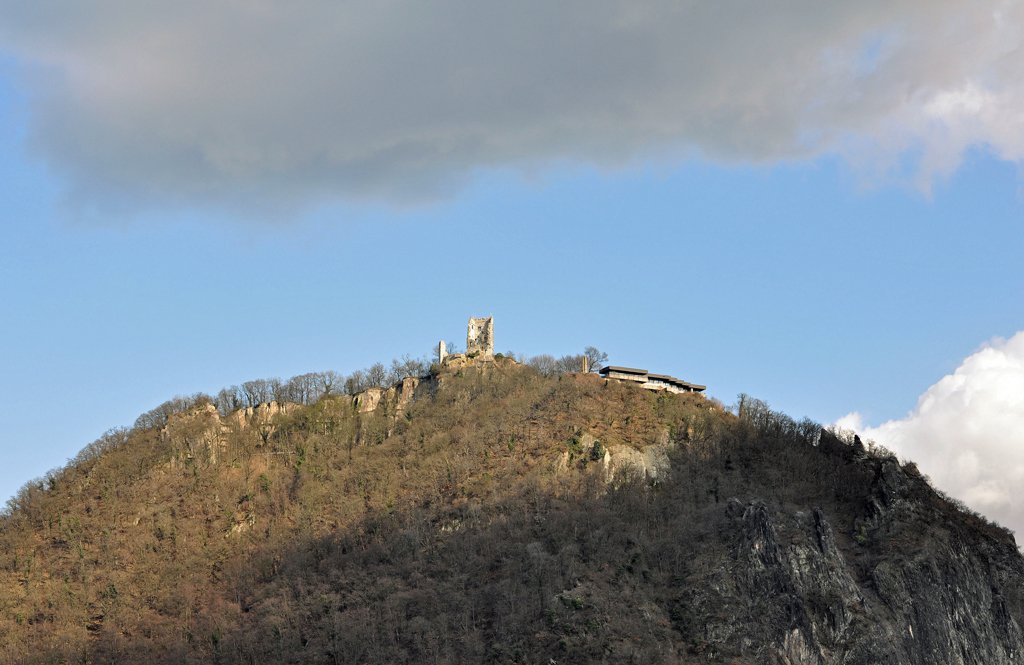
327,383
276,388
228,400
158,417
548,365
260,391
406,366
300,389
356,382
569,363
544,363
596,359
377,375
111,439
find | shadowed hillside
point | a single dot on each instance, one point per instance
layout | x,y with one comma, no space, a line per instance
500,515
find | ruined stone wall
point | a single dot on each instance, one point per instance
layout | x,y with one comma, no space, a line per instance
480,337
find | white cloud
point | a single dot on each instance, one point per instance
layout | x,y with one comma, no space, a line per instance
274,103
967,432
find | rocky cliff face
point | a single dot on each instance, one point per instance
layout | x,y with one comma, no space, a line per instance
783,591
195,435
907,581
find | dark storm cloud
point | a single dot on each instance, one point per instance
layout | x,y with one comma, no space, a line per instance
281,104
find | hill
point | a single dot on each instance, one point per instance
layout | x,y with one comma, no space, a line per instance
494,514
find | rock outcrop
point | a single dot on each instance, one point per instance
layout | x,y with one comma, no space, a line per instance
777,585
261,414
368,400
651,461
196,434
200,434
403,393
397,397
790,593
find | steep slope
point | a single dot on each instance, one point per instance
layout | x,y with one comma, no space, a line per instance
496,518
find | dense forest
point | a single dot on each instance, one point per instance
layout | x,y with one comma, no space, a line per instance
487,520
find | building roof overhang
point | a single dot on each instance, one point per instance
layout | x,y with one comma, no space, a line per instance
621,370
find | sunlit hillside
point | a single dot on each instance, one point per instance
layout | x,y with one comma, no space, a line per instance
498,514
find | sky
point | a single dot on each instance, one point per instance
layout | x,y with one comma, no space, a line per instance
819,204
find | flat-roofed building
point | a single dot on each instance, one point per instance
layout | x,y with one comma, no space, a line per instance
672,384
650,381
624,373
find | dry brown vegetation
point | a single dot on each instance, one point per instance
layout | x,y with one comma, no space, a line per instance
446,533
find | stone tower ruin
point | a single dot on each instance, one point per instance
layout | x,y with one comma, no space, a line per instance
480,337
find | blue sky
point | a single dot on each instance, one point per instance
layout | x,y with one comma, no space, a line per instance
752,258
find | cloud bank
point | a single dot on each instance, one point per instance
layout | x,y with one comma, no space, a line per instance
967,432
279,103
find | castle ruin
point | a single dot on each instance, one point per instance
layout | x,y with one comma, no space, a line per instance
479,344
480,337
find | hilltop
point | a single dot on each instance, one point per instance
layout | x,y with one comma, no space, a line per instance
491,512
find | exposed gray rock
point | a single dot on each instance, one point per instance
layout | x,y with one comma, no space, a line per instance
649,461
790,596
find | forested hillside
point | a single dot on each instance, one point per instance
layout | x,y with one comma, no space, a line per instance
495,518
